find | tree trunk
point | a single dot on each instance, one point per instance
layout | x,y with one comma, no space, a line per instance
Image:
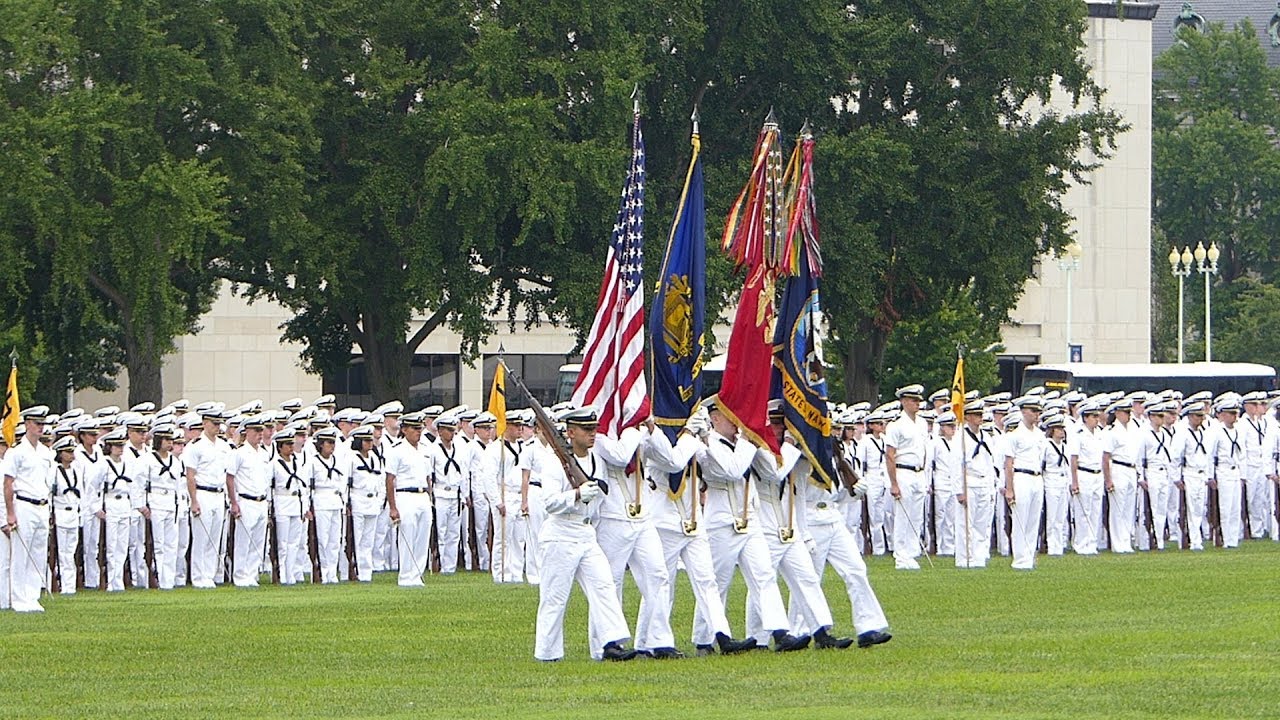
144,360
386,362
864,362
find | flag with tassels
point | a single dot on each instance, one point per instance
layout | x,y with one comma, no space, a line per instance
753,236
957,388
678,315
12,408
799,378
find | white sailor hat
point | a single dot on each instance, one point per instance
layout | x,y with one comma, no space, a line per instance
914,391
1002,407
1074,397
1091,407
250,408
374,419
364,432
345,415
326,400
167,431
1138,396
298,427
560,411
64,427
530,418
1257,396
37,413
1029,402
303,414
972,395
132,420
292,405
1051,395
210,410
1011,421
447,421
1198,407
582,417
395,407
255,422
890,407
876,416
940,394
456,410
1228,396
73,414
999,397
143,407
468,416
974,406
1123,404
1200,396
106,411
236,420
66,442
329,434
166,412
561,406
115,437
1035,391
284,436
861,406
190,421
432,411
413,419
181,405
775,408
1053,421
1227,404
1159,408
320,417
515,417
86,425
928,415
947,418
1056,405
485,419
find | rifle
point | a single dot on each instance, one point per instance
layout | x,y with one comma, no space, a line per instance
1182,518
1244,509
149,553
1215,518
1151,523
55,583
273,551
102,553
844,469
558,444
313,549
352,565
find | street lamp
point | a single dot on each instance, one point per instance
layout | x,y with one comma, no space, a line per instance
1069,262
1207,269
1180,264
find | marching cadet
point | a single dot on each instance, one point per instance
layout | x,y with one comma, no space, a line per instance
571,551
535,455
683,534
135,454
68,489
328,482
853,505
871,458
776,488
249,487
735,540
291,506
1086,448
452,462
368,498
1228,455
1122,452
163,477
121,494
1057,482
906,447
27,472
1258,440
502,492
1024,482
1191,454
188,429
475,519
945,465
205,459
975,497
1157,469
87,457
408,475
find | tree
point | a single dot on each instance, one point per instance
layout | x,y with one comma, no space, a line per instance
924,351
1251,328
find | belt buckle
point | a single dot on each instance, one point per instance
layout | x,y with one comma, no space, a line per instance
822,506
787,535
586,521
740,526
633,510
690,527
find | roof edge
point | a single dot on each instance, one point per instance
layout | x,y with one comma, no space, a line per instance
1132,10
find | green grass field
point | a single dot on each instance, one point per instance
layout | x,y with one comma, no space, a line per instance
1139,636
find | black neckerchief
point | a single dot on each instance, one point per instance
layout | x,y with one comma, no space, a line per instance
292,471
119,474
1235,441
1259,428
591,475
71,485
1160,445
1062,457
512,450
450,458
329,470
980,443
166,468
91,458
879,446
365,465
1198,438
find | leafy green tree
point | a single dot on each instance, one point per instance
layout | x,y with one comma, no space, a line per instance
924,351
1251,328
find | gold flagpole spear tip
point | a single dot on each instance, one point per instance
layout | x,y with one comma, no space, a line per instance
806,132
635,99
771,120
13,357
694,119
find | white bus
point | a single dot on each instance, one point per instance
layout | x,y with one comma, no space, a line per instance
712,372
1094,378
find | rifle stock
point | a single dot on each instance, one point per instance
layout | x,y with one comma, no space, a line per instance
554,439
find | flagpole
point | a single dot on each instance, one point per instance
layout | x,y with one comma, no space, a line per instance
964,468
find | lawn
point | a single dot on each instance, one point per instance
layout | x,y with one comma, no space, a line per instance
1140,636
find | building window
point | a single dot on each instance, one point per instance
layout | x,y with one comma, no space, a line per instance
433,380
540,373
1010,368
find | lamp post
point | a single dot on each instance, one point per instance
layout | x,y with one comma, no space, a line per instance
1069,262
1207,269
1180,264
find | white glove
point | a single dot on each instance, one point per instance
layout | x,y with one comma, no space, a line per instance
589,491
697,425
860,490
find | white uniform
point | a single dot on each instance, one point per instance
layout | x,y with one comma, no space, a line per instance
692,549
291,501
328,505
250,466
119,482
724,464
162,480
1192,455
368,500
138,568
631,541
85,463
1086,507
945,465
68,489
1158,473
570,552
1057,494
502,487
411,469
452,465
909,437
475,513
1258,439
973,541
29,466
1227,451
1026,446
1123,450
871,457
208,460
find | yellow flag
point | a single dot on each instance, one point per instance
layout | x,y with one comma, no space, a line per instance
12,408
498,397
957,391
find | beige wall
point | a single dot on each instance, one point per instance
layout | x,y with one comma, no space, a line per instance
1110,306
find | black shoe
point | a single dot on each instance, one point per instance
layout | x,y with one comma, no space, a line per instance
787,642
873,637
644,654
666,653
616,653
705,650
824,640
729,646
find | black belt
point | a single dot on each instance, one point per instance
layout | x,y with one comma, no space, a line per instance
1092,471
33,501
210,488
416,490
908,467
1122,463
535,484
1025,471
255,498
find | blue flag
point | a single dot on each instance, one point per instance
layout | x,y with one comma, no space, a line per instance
678,314
798,375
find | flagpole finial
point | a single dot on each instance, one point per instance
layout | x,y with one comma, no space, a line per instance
806,132
635,98
771,120
694,119
13,357
501,350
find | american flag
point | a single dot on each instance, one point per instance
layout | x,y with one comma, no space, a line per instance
612,377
